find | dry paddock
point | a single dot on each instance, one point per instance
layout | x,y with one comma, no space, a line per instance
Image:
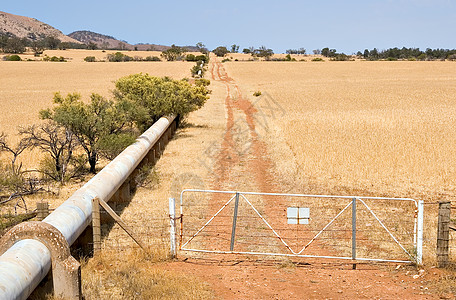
365,128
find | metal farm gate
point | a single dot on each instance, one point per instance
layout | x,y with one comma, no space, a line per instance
319,226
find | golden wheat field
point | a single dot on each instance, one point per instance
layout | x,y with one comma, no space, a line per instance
28,86
384,128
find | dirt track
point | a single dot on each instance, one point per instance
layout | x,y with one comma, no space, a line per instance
248,168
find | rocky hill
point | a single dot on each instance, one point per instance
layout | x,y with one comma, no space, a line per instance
101,40
32,29
109,42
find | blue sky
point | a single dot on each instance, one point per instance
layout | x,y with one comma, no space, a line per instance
347,26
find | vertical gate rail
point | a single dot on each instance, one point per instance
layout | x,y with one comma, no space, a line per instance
27,262
417,228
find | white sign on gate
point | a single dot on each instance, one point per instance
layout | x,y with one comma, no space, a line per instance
298,215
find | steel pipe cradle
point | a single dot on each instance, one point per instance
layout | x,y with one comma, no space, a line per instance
27,262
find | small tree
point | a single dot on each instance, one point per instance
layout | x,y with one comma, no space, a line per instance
37,47
89,123
220,51
373,54
328,52
246,51
14,151
11,177
15,45
92,46
263,52
51,42
202,48
148,98
173,53
55,140
234,48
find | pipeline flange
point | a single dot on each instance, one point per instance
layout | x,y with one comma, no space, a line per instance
66,270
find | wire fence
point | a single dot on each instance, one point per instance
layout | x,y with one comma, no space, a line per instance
253,234
153,231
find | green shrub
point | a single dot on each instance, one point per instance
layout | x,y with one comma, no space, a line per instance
152,58
203,58
452,57
90,59
173,53
220,51
13,57
54,58
118,57
318,59
225,60
150,98
391,59
257,94
340,57
190,57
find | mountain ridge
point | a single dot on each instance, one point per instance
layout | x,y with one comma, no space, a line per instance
109,42
29,28
35,30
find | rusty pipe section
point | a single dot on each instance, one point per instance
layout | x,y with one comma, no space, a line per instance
26,263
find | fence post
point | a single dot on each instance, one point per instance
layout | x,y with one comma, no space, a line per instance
172,228
443,233
420,221
96,225
42,210
354,231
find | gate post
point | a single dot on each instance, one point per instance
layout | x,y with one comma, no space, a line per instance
172,228
233,230
443,233
354,231
420,221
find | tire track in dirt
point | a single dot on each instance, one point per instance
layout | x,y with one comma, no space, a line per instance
243,163
258,164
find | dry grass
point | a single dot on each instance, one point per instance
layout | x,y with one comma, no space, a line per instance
27,87
133,275
378,127
369,128
118,273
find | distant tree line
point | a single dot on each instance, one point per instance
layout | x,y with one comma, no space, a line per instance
333,55
296,51
16,45
408,54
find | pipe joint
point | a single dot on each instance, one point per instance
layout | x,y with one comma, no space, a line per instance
66,270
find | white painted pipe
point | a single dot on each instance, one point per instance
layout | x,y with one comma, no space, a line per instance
23,266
